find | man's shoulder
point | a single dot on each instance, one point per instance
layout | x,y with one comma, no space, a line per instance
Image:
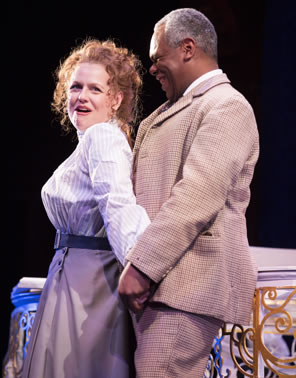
217,91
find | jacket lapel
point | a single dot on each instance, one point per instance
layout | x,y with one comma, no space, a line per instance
203,87
156,118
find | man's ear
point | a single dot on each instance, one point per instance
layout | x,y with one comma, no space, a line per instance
188,47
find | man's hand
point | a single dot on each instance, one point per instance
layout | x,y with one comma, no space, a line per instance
134,287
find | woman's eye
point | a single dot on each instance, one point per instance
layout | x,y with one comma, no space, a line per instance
97,89
75,86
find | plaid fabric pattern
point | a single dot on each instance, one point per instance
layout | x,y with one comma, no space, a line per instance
173,343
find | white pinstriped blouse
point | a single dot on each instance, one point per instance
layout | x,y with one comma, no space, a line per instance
92,188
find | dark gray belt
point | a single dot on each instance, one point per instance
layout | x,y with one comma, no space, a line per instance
79,241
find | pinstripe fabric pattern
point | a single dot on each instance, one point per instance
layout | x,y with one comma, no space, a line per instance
193,165
91,191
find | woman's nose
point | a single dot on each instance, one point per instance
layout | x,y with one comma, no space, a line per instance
82,95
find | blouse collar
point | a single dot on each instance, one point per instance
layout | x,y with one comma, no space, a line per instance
80,133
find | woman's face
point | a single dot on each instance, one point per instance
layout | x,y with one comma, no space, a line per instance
89,96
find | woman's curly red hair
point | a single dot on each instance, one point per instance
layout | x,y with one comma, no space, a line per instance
125,71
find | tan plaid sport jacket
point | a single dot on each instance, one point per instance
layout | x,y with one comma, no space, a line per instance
193,165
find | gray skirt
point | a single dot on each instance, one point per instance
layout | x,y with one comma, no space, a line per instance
81,328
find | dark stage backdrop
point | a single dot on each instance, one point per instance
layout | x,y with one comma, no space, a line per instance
255,47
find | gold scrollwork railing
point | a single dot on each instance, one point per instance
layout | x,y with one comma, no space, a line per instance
253,350
275,310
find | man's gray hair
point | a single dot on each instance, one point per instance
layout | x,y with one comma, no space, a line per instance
188,22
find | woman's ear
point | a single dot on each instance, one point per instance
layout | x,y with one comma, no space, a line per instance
117,99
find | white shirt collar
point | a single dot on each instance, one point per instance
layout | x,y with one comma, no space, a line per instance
203,78
79,134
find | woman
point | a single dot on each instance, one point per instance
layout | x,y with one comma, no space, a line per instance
81,328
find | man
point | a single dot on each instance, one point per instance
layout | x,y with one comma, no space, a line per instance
191,270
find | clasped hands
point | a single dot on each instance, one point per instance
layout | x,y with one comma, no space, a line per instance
134,287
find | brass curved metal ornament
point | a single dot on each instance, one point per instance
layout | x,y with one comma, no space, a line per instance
239,340
277,320
252,353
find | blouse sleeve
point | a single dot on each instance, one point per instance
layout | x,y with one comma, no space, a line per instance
109,160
